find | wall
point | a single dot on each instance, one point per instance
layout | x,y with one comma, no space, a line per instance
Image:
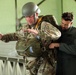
7,12
54,7
70,6
47,7
7,16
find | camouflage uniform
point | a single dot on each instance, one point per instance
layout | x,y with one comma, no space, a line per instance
29,45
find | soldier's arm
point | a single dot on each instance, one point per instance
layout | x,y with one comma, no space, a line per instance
9,37
13,36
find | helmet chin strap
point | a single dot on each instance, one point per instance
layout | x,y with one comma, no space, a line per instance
34,19
35,15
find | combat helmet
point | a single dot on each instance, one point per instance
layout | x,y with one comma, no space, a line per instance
30,8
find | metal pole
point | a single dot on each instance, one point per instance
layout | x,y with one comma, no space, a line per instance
16,14
61,6
40,2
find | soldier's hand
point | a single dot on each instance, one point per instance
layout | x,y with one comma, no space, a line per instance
1,36
33,31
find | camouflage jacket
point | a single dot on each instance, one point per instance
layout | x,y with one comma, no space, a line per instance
46,27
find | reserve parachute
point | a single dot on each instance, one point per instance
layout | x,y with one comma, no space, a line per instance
30,47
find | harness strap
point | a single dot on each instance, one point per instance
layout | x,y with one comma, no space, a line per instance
38,22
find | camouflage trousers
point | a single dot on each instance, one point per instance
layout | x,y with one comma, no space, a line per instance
40,66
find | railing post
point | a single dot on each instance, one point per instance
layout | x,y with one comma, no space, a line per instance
13,66
16,68
1,67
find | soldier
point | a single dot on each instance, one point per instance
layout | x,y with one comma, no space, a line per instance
34,38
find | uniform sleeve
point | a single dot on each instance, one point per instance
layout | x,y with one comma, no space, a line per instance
70,49
15,36
48,30
9,37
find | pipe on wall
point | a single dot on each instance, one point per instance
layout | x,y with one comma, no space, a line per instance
61,6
